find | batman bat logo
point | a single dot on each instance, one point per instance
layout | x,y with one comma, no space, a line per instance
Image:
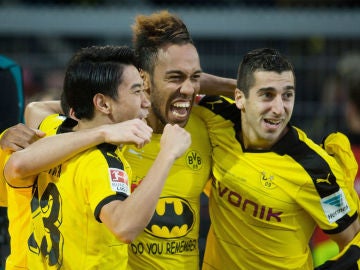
173,218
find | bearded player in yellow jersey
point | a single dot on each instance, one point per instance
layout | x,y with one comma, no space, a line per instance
83,212
271,184
171,72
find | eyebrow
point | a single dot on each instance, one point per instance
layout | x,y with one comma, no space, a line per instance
264,89
181,72
136,85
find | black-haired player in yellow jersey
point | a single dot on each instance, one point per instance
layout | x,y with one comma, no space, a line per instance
82,210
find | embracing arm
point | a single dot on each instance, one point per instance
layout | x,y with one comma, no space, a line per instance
120,216
36,111
215,85
23,166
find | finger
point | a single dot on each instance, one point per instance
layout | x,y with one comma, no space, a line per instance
39,133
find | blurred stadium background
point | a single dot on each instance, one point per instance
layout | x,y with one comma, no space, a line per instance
41,35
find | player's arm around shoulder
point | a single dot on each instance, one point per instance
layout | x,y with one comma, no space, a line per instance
215,85
120,216
23,166
36,111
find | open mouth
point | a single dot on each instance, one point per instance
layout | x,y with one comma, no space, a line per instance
180,109
272,124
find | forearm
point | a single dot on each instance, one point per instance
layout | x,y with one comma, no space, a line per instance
215,85
122,220
48,153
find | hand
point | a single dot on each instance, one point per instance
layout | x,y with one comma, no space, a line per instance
133,131
19,137
175,140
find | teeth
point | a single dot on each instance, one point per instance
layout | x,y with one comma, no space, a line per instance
182,104
177,114
272,122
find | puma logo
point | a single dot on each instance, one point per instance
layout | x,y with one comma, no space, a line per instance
320,180
214,102
113,156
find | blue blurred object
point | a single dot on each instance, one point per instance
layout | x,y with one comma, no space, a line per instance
11,92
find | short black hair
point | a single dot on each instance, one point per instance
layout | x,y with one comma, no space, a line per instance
92,70
263,59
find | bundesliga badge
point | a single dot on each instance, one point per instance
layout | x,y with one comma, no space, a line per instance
119,181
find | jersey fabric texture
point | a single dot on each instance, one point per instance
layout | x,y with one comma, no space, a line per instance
17,201
18,211
66,203
51,124
170,241
264,205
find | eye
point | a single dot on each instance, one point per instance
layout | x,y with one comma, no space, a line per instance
138,91
288,95
175,78
195,77
267,95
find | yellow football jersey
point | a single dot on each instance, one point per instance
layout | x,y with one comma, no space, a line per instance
170,241
66,230
264,205
19,213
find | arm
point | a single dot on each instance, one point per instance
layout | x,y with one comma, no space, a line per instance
349,256
215,85
346,236
119,216
23,166
35,112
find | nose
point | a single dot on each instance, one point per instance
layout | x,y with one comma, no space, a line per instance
278,106
187,88
145,102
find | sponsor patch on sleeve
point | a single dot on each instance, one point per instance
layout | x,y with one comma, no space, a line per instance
119,181
335,206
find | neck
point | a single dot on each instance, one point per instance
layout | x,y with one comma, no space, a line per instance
86,123
155,123
250,143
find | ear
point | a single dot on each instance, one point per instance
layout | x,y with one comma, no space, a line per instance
72,114
145,76
239,99
102,103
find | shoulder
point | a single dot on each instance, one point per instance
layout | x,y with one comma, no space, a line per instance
51,123
220,105
216,111
109,155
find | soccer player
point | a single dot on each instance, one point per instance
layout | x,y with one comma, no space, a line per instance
82,210
271,184
171,71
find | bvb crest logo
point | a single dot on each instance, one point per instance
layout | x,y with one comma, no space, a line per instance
193,160
267,180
